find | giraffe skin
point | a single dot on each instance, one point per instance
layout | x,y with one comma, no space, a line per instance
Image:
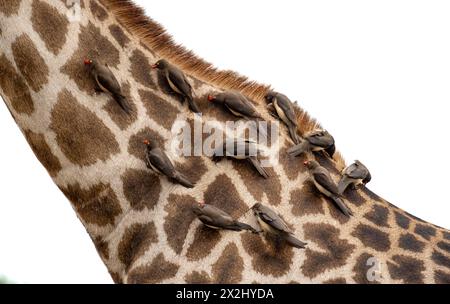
141,224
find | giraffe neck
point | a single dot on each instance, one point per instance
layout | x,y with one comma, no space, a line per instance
142,224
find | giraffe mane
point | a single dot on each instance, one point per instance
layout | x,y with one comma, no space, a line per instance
154,36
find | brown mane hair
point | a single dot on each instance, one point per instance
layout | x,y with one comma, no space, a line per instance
154,36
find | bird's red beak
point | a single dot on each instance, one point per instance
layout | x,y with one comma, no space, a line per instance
87,61
154,66
146,142
306,163
211,98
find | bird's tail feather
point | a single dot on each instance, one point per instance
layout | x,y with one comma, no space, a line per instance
255,162
123,103
294,242
243,226
192,105
299,149
342,206
182,180
343,184
293,133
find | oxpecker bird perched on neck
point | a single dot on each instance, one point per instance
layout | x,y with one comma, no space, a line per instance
284,110
273,224
157,161
107,82
315,141
355,174
215,218
177,82
325,184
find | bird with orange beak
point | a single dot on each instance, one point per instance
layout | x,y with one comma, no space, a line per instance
325,184
177,81
157,161
107,82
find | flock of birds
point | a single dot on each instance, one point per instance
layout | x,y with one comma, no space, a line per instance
280,107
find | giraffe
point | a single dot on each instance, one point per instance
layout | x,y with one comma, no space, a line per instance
142,225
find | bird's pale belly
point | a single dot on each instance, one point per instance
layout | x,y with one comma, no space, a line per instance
281,114
323,190
234,112
266,227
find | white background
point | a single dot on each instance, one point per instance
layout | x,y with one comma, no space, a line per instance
375,73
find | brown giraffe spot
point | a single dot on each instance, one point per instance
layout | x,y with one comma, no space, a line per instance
268,257
50,25
256,184
117,279
338,281
158,109
118,34
427,232
15,88
141,188
117,114
135,242
223,194
410,242
441,277
196,277
193,168
336,250
372,195
353,197
9,7
156,272
43,152
444,246
446,235
325,161
93,45
407,269
205,239
102,247
178,219
141,69
97,205
30,62
228,268
378,215
306,201
292,166
136,146
441,259
402,220
361,269
98,11
80,134
372,237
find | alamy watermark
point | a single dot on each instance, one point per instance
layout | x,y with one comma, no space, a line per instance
374,273
239,139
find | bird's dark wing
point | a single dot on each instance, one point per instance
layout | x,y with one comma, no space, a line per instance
325,181
357,172
180,81
106,79
274,220
236,104
321,140
286,105
160,161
